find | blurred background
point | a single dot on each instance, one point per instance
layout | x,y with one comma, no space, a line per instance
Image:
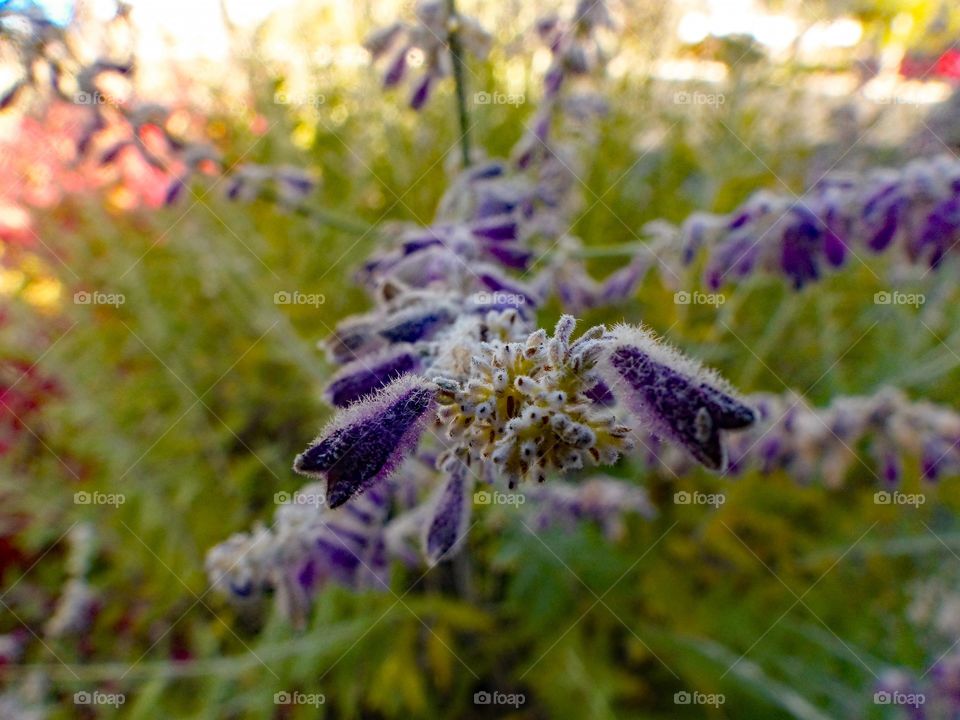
154,394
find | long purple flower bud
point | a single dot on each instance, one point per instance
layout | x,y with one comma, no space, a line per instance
673,396
364,444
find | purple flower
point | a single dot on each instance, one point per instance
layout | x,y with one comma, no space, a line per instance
173,192
935,452
621,284
307,547
433,34
497,283
396,70
421,92
940,231
363,444
600,500
891,469
553,80
365,376
600,394
418,324
298,183
917,207
676,398
114,152
234,187
800,245
946,679
449,514
511,257
351,338
496,229
882,214
737,256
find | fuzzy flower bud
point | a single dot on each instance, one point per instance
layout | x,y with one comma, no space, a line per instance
674,396
364,443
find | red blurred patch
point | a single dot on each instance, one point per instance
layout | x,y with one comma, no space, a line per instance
23,391
931,67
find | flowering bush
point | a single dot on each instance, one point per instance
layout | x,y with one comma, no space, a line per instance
632,395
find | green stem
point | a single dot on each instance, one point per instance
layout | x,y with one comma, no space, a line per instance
456,53
765,346
602,251
324,217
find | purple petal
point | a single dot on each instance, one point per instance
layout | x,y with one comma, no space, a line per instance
113,153
882,237
496,229
396,70
798,254
621,284
510,257
600,394
421,92
553,80
364,444
173,192
676,405
365,376
499,284
447,527
418,324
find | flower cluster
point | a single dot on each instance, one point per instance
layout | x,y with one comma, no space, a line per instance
823,443
517,405
449,384
289,185
933,696
573,42
601,500
429,39
576,51
914,209
568,280
490,214
308,546
523,406
144,147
